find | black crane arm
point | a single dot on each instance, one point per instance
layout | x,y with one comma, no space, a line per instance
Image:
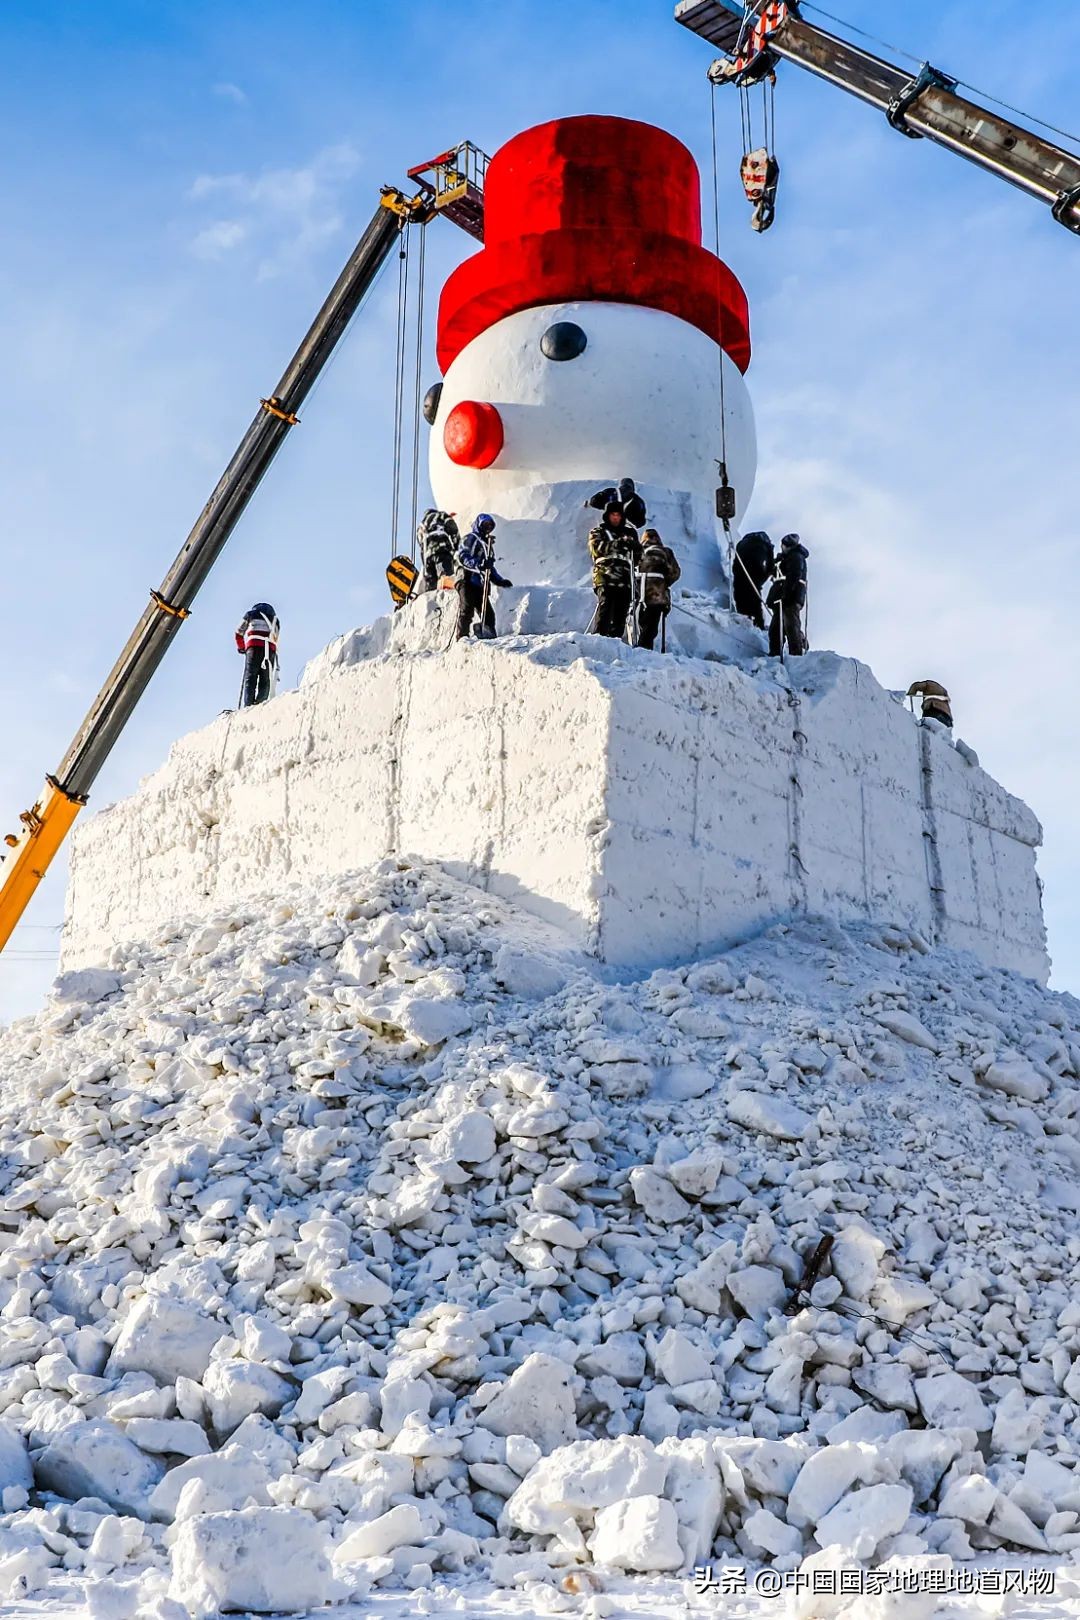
171,603
924,104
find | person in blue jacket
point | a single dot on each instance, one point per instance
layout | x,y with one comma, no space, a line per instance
476,573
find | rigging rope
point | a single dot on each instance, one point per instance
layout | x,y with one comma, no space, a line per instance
399,382
418,371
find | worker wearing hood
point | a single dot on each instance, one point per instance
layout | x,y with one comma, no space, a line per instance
787,598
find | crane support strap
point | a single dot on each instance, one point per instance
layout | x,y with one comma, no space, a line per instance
169,607
1068,203
274,407
927,78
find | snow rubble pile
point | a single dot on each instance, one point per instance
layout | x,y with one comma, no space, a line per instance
370,1238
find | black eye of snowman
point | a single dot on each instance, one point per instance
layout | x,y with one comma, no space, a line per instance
431,403
563,341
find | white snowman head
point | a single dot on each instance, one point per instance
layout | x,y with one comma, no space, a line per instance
584,344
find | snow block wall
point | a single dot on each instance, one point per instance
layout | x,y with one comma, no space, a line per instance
652,808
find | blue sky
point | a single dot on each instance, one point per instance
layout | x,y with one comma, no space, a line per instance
183,181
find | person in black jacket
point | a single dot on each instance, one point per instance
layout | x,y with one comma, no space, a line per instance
439,539
628,498
787,598
755,561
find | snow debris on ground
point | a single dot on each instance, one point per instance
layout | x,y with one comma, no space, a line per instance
333,1265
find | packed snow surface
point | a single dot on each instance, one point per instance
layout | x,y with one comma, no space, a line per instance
655,808
344,1254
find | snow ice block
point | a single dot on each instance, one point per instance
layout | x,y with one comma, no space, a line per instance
655,809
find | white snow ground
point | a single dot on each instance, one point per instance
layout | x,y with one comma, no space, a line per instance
367,1246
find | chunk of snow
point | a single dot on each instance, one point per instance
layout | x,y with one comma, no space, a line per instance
906,1027
96,1459
703,1288
166,1338
766,1533
228,1479
768,1115
236,1389
640,1534
854,1258
273,1560
660,1200
864,1518
396,1528
678,1359
758,1290
579,1479
825,1477
536,1402
948,1401
356,1285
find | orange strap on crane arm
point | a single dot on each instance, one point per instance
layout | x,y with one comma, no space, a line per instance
169,607
274,407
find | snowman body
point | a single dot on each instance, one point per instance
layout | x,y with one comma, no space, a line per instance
642,399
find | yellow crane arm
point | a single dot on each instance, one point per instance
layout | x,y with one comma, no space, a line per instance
44,829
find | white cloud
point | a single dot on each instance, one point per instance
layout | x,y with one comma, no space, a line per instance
214,241
283,214
231,92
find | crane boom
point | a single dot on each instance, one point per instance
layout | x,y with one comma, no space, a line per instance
458,185
924,104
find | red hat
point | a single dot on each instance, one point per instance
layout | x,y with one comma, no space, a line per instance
593,208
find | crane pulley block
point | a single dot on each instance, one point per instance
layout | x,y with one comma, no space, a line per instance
756,35
760,173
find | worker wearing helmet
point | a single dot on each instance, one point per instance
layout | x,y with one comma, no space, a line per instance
257,637
438,535
626,494
787,598
476,573
615,551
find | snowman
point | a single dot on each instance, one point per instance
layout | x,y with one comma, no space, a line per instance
586,342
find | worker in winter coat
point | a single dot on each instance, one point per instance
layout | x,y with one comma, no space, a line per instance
439,537
935,701
657,571
615,551
257,637
476,573
787,598
626,494
755,561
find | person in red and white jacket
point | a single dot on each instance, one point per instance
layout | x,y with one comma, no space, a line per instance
257,637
